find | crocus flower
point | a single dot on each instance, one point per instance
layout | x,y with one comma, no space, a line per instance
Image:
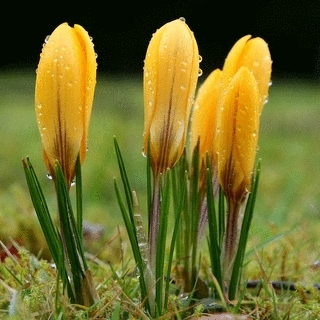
245,84
244,91
65,83
170,77
238,131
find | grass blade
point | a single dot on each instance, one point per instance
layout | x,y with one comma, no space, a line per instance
43,214
214,241
237,267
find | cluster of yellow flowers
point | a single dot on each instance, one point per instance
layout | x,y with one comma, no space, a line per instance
222,120
226,111
225,116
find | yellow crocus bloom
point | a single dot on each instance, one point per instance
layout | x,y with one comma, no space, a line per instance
238,136
65,83
171,69
244,91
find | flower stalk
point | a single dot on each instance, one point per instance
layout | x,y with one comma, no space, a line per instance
65,83
244,90
170,78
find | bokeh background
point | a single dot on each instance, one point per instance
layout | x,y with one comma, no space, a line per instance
289,195
122,29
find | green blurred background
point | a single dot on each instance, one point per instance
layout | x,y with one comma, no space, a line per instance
289,193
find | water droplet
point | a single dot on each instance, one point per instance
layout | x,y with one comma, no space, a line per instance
73,182
96,55
200,58
49,176
143,153
46,39
256,63
200,73
270,83
182,19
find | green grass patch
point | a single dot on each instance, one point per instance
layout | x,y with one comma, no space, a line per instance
284,238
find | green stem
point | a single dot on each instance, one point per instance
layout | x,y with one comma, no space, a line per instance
154,222
232,236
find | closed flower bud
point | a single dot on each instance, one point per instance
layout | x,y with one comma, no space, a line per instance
238,138
170,77
65,83
244,90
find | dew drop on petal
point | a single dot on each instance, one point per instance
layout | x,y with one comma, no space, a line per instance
256,63
182,19
49,176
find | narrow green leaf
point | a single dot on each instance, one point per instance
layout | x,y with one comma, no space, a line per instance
214,241
74,255
124,178
165,194
134,244
221,216
179,204
43,214
245,228
79,200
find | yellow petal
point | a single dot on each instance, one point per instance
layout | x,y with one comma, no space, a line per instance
256,56
239,130
170,78
62,98
204,116
233,60
89,82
